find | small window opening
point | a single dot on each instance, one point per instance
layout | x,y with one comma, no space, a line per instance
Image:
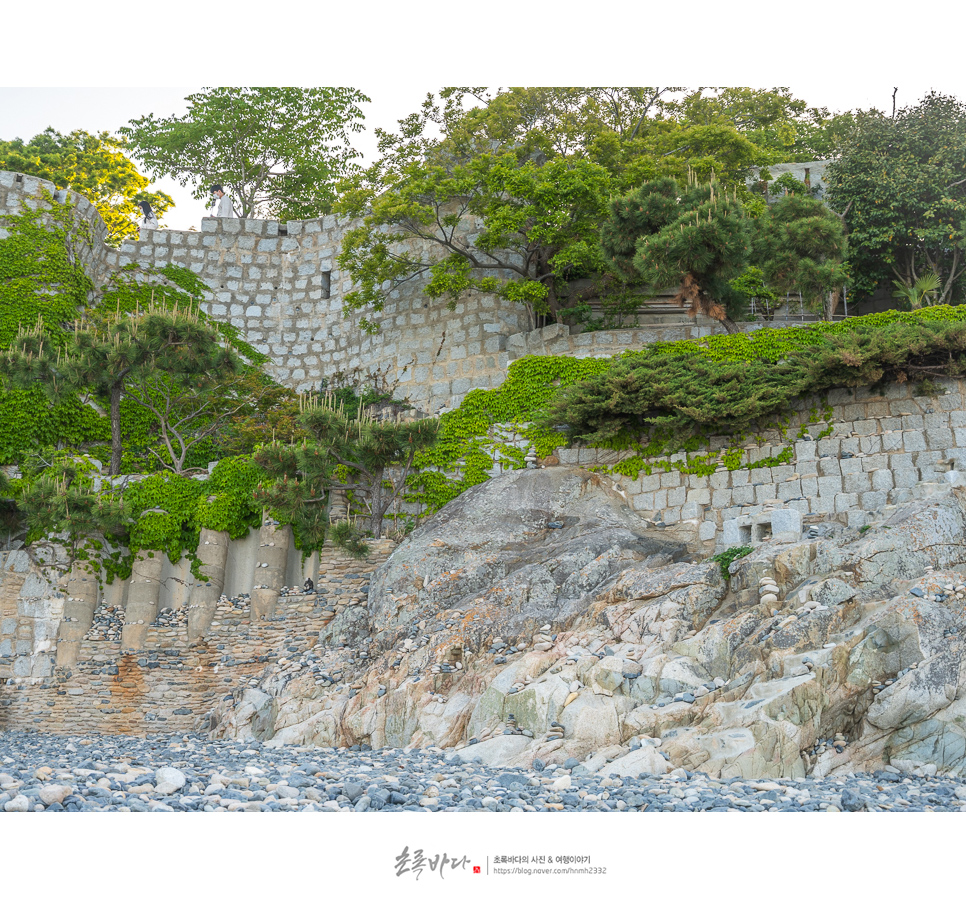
761,532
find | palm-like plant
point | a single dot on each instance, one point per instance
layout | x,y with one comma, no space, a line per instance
921,293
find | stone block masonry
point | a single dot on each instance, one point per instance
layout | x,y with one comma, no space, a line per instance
877,455
279,284
171,683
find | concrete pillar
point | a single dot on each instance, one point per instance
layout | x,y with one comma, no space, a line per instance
270,564
142,597
82,594
310,567
213,556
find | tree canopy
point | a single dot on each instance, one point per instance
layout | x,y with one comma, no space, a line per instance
694,238
801,246
172,363
277,150
344,454
531,170
900,184
95,166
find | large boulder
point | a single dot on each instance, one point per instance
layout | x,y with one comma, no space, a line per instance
510,640
528,545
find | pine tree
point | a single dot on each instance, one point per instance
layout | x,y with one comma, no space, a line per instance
125,355
360,454
801,245
694,239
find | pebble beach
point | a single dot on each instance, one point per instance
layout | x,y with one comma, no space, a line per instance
43,772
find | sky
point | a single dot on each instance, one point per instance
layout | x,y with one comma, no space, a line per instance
27,111
842,56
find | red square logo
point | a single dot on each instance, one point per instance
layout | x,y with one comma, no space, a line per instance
476,870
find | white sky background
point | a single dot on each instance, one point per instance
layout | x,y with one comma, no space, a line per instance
842,56
27,111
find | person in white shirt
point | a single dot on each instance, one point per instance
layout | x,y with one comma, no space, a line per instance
222,204
150,222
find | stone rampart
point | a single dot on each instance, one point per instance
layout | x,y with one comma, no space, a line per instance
19,192
280,285
883,449
557,340
171,682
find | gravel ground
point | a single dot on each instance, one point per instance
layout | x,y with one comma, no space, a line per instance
40,772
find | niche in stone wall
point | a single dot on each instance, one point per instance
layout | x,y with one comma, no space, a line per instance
761,532
326,284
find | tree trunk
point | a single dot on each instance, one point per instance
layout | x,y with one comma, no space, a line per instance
376,505
831,305
730,325
116,445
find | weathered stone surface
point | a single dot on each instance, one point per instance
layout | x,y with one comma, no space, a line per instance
168,780
662,650
54,792
643,760
492,550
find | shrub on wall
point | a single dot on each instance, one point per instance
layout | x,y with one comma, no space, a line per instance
719,384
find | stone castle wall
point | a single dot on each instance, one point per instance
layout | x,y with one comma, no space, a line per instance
19,192
280,285
884,449
169,683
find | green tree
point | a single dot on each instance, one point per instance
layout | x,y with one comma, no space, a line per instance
168,361
65,518
278,150
502,192
94,165
363,455
801,246
537,230
899,183
695,239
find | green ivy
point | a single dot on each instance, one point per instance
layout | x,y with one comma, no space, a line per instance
469,441
725,559
40,274
477,435
167,512
227,502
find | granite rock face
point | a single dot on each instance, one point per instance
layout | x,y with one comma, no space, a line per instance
531,544
495,634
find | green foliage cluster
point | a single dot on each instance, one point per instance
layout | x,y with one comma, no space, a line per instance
469,443
672,396
65,507
725,559
40,274
725,370
695,238
277,149
534,167
41,279
899,184
342,453
93,166
45,297
165,512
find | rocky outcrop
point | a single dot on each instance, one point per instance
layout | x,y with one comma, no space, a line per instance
535,618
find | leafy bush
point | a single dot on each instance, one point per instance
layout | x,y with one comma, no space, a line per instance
725,559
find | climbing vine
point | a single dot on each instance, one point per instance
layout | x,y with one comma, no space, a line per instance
488,427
